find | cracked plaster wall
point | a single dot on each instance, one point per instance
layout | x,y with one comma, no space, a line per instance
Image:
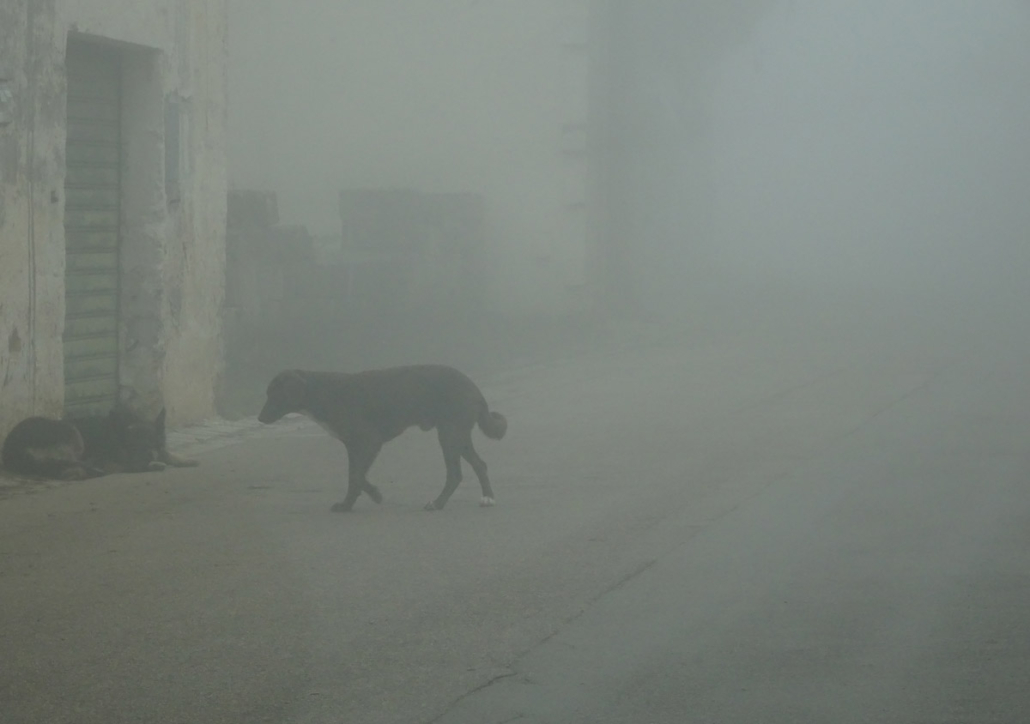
173,244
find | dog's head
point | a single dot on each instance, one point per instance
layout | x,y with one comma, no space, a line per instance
139,443
287,392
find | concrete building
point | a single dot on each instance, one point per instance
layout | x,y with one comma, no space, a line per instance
437,96
112,205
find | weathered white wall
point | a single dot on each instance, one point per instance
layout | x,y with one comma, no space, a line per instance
31,231
436,95
173,249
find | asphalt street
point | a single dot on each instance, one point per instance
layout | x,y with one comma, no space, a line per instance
805,522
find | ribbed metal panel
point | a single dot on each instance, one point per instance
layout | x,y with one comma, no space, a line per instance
91,223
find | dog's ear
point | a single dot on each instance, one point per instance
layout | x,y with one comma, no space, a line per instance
294,385
287,392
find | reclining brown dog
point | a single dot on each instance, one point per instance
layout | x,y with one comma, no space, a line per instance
365,410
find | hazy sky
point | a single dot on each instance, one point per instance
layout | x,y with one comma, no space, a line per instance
877,140
868,143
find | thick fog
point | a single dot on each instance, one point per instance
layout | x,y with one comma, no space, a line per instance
867,156
873,148
735,293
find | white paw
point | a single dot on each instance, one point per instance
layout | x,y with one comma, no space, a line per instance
486,502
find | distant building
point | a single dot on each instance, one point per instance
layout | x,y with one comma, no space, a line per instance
112,205
498,99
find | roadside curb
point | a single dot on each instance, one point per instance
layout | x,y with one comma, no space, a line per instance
218,433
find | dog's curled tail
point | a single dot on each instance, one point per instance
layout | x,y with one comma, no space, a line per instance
493,424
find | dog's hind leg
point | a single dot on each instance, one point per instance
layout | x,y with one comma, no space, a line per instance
450,443
479,467
360,457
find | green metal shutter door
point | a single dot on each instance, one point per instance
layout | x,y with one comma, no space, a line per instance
91,224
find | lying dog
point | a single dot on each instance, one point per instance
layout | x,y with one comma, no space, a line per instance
121,442
365,410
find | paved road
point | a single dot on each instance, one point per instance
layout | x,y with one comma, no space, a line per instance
761,527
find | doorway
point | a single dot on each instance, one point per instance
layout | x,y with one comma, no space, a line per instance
92,221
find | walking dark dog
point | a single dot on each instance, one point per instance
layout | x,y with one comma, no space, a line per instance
121,442
365,410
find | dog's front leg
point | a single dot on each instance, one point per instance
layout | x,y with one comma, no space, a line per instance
450,444
360,456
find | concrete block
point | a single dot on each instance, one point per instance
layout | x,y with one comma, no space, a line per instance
250,209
